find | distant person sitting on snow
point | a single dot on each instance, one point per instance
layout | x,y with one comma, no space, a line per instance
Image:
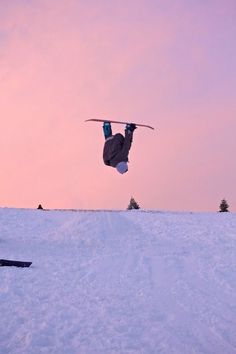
116,147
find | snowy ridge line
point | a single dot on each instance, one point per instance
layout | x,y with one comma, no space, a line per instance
153,211
108,210
85,210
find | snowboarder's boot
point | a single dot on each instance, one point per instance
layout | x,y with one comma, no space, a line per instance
130,128
107,129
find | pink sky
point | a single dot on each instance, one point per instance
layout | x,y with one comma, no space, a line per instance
170,64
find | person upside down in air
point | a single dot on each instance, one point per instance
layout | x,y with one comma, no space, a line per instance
116,148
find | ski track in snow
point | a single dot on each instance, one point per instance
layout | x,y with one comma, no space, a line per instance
118,282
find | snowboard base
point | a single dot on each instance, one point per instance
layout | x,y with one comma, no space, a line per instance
118,122
7,262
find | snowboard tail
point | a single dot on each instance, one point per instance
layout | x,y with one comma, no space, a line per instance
119,122
8,262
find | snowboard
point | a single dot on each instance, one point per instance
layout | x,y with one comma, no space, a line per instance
118,122
7,262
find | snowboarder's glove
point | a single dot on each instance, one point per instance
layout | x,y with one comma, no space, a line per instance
130,127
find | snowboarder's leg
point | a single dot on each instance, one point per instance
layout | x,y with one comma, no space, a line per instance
124,152
107,129
129,130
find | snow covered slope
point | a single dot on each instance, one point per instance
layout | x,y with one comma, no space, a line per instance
118,282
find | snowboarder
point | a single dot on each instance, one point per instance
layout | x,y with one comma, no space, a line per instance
116,147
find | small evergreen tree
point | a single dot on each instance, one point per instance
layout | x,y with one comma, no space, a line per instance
133,204
224,206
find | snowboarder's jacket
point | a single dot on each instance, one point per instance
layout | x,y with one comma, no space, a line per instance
116,149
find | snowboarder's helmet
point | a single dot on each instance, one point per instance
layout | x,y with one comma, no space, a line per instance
122,167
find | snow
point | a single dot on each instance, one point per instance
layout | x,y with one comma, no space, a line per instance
118,282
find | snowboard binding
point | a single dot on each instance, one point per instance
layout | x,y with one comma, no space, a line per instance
130,128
